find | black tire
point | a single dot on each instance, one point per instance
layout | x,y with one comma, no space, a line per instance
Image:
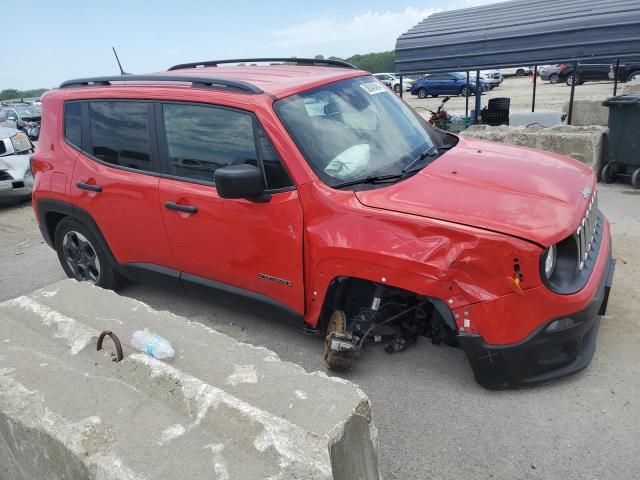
633,76
635,178
573,79
608,174
554,78
81,255
396,88
422,93
464,91
520,72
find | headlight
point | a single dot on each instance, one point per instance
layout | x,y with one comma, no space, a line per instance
550,260
21,143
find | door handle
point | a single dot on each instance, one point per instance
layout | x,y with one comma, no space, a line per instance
89,186
181,208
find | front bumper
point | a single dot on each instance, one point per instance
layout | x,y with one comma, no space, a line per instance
543,355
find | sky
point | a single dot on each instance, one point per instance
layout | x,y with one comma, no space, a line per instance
48,41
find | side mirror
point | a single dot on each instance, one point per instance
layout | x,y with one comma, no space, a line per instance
241,181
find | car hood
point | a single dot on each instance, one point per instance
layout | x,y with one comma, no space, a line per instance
526,193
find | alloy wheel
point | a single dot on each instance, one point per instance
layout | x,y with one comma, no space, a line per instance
81,257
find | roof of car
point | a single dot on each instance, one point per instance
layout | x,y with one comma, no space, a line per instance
276,80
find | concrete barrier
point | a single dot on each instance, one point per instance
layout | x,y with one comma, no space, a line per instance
631,88
587,144
219,409
588,112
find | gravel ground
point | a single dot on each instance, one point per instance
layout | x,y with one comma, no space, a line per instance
434,420
549,98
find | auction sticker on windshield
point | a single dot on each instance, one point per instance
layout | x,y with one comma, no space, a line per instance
373,87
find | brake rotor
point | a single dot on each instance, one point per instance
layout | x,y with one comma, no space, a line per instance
337,325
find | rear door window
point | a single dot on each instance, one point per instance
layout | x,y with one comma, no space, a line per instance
120,133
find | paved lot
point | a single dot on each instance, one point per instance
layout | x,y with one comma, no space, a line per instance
549,98
434,421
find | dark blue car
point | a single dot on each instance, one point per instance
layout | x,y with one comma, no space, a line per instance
445,84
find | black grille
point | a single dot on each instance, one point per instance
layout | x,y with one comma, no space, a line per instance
586,231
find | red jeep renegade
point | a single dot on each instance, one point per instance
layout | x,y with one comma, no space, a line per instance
311,185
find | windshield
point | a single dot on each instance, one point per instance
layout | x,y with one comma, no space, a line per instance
29,112
354,129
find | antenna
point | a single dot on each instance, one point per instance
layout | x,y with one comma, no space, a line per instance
122,72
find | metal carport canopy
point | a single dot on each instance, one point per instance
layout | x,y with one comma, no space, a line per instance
521,32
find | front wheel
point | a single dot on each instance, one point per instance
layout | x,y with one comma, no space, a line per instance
573,79
554,78
81,255
422,93
466,92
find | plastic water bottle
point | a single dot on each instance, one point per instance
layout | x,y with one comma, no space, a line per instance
152,344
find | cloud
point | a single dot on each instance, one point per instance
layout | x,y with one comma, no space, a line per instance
370,31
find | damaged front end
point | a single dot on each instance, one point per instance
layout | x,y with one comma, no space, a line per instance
392,317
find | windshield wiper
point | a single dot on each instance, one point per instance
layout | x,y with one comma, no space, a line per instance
396,176
371,179
431,151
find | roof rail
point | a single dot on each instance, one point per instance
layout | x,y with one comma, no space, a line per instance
196,82
316,62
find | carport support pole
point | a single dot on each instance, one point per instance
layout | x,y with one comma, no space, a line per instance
466,107
535,77
615,77
476,109
401,89
573,91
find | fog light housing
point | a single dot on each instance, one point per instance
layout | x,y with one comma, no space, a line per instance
560,324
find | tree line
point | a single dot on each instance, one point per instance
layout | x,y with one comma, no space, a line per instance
371,62
13,94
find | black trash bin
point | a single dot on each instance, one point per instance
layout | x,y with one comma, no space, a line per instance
623,145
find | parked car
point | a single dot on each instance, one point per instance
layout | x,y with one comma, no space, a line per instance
16,179
627,72
493,78
516,71
317,189
393,82
445,84
26,119
549,72
586,72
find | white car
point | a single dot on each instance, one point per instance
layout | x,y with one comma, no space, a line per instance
516,71
493,78
16,179
393,82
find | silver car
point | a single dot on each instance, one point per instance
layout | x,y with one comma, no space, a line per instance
16,179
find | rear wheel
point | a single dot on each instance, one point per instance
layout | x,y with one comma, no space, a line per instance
466,91
635,178
396,88
422,93
554,78
633,76
81,255
520,72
